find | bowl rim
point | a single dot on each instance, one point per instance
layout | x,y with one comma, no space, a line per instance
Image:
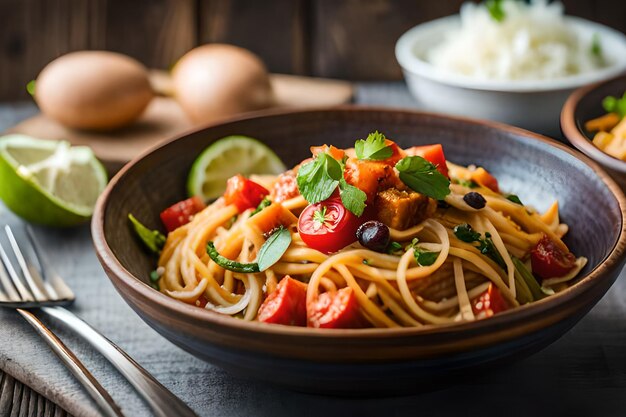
417,66
119,275
573,130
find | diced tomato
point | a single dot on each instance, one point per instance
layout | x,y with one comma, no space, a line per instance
371,177
181,213
397,153
335,310
327,226
433,154
489,303
333,151
550,261
285,187
484,178
286,305
244,193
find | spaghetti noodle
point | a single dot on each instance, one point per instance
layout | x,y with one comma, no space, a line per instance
462,260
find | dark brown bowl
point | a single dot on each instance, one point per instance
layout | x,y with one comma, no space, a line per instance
368,360
583,105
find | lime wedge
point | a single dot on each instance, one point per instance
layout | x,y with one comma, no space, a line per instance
226,157
49,182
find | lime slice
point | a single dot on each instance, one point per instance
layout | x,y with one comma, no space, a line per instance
49,182
226,157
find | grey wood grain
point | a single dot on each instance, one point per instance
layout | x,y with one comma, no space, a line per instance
582,374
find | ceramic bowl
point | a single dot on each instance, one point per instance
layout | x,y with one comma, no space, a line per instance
363,361
586,104
533,105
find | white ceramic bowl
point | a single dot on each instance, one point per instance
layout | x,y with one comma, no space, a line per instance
531,104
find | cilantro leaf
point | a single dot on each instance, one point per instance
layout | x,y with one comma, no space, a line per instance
495,10
374,148
352,198
615,105
318,179
423,177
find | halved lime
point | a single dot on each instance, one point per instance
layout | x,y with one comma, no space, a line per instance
49,182
226,157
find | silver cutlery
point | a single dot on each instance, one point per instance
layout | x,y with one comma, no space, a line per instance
37,285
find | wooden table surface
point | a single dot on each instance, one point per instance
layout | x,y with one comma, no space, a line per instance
582,374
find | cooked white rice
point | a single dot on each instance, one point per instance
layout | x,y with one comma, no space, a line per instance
532,42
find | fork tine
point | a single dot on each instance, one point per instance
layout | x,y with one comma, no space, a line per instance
9,293
53,283
33,287
24,294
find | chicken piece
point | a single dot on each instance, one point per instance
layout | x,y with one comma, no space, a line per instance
403,209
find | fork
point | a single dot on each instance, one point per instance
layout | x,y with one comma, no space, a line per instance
42,287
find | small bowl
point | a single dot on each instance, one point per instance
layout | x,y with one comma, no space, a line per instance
533,105
365,361
586,104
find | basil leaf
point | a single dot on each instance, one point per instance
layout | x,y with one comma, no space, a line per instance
318,179
152,239
423,177
515,199
352,198
374,148
274,248
246,268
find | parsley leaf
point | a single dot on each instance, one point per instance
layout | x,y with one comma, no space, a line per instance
374,148
615,105
352,197
495,10
465,233
318,179
423,177
422,257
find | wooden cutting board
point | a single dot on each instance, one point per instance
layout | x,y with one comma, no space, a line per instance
164,118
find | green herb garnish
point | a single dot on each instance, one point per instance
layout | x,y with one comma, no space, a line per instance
318,179
374,148
465,233
264,203
467,183
615,105
270,253
152,239
154,279
495,9
422,257
30,87
596,46
423,177
515,199
394,247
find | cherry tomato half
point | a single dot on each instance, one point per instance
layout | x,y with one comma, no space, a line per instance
489,303
335,310
181,213
327,226
549,261
433,154
286,305
244,193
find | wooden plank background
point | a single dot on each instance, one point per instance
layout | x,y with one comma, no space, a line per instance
350,39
